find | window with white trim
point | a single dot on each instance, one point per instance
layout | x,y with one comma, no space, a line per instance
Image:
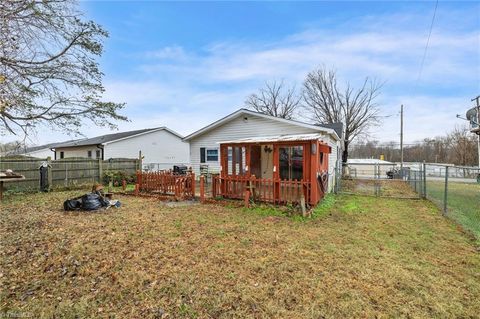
212,154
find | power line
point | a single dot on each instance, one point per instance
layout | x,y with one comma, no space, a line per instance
427,44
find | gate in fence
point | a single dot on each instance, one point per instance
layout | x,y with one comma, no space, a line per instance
382,179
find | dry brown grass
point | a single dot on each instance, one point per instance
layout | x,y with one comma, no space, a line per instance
367,257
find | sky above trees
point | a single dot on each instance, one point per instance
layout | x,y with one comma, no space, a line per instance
186,64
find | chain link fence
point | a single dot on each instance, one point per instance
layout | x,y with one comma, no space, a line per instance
454,189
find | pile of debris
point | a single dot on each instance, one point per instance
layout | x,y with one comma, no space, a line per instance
93,201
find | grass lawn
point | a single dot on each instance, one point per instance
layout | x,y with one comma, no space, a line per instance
360,257
463,202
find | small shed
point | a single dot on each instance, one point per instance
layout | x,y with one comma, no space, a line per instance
278,169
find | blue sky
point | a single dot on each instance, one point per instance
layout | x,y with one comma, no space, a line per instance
185,64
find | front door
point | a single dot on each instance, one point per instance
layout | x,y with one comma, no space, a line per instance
255,160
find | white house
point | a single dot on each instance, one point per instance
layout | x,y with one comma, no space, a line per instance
161,148
247,124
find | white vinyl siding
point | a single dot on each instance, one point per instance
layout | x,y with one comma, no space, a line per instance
161,149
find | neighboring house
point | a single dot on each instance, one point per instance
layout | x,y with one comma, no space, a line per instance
161,147
255,128
40,151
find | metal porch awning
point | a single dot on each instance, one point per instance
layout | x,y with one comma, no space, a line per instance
276,138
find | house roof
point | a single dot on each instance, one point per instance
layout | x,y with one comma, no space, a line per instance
26,150
239,112
109,138
276,138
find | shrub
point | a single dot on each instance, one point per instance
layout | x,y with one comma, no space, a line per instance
116,177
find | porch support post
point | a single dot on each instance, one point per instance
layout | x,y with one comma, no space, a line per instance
276,174
224,172
314,168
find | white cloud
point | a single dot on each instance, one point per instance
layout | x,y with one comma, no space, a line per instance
186,90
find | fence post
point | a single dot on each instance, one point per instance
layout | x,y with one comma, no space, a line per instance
214,186
139,178
140,160
424,180
251,186
247,198
192,178
49,173
100,170
202,188
446,192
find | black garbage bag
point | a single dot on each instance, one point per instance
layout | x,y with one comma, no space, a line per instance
93,201
72,204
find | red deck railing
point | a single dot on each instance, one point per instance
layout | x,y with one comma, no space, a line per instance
275,191
167,183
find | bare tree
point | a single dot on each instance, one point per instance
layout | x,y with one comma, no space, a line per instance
327,103
11,147
276,100
463,146
48,71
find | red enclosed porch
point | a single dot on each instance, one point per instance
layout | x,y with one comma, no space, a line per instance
277,169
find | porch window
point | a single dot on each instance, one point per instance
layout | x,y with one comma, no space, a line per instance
291,162
89,154
236,157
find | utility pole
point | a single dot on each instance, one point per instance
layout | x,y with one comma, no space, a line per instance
401,139
477,100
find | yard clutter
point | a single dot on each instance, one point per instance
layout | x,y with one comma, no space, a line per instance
91,201
8,176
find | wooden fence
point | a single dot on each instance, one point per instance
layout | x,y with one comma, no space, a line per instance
259,189
69,172
167,183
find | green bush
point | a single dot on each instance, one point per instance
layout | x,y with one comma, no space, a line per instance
116,177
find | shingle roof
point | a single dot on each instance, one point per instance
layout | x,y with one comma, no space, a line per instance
105,138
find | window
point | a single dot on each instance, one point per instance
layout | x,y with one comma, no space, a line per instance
61,154
202,154
97,153
236,160
212,154
291,162
89,154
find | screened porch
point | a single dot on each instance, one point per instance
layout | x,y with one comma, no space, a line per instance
277,169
